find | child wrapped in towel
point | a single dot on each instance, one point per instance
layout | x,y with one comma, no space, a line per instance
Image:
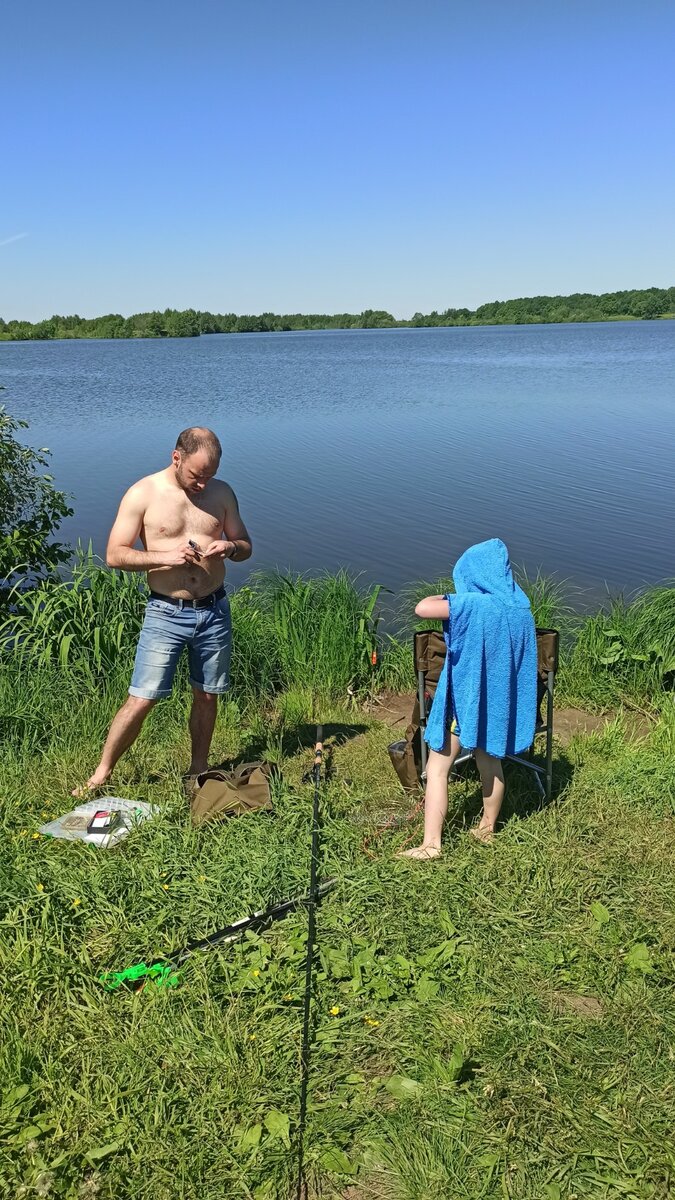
486,699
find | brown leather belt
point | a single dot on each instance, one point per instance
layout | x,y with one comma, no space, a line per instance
204,602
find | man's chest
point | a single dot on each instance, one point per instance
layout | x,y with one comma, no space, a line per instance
178,519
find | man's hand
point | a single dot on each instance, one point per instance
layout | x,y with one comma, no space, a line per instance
184,554
220,549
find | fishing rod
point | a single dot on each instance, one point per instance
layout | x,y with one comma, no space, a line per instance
164,971
314,894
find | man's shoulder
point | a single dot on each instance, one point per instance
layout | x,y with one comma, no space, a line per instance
222,490
143,490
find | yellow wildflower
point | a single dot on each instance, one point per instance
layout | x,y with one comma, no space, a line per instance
256,973
289,996
23,832
35,836
76,901
202,878
252,1037
40,887
165,886
335,1010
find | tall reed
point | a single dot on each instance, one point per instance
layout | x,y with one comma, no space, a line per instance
288,630
310,631
88,621
324,633
626,652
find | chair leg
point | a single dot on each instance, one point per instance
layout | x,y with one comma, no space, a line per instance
423,724
530,766
549,736
463,757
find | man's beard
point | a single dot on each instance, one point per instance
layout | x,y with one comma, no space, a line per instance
183,483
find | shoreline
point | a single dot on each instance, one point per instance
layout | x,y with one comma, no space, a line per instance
630,304
396,327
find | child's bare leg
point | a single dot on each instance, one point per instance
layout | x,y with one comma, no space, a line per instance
439,765
492,780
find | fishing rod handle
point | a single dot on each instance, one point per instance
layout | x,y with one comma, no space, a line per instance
318,748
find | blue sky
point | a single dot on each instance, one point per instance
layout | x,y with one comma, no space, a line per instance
315,157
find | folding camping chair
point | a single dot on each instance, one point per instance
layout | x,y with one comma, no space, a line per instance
429,652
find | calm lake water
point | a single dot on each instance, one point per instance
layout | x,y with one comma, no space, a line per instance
387,451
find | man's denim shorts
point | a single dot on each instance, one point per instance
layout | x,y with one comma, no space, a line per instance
167,629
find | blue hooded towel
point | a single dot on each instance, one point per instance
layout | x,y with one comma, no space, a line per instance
489,681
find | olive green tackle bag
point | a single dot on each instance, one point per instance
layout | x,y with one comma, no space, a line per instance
231,793
406,756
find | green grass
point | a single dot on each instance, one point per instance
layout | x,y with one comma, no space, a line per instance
506,1023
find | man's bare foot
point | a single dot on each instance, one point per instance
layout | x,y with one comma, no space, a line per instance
485,834
87,791
420,852
189,783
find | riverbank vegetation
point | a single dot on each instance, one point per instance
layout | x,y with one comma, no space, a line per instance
498,1024
31,509
323,634
637,304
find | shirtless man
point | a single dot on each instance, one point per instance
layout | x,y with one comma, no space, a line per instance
189,523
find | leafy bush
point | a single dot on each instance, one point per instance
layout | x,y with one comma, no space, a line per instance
31,508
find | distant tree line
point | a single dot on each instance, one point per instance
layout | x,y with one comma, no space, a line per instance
639,304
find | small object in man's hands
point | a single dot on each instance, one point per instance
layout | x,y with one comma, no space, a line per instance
195,547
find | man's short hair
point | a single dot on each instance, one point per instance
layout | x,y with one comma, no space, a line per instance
198,438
